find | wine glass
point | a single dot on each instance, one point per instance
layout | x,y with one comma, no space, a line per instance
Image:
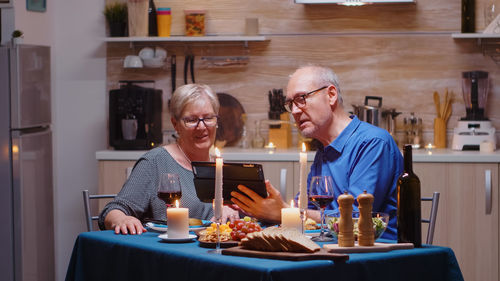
217,206
169,188
320,192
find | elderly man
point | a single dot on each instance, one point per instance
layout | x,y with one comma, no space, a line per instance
357,155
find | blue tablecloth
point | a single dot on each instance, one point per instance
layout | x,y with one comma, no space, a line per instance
106,256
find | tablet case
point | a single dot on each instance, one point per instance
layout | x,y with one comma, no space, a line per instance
247,174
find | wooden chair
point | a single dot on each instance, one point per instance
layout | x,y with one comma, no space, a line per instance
432,217
86,203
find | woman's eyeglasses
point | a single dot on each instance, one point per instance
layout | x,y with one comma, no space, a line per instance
192,122
300,101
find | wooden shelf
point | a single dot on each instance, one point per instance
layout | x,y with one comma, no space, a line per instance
214,38
476,35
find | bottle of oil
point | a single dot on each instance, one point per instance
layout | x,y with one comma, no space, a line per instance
409,216
468,18
152,22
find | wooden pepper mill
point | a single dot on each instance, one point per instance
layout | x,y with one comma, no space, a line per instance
346,226
366,234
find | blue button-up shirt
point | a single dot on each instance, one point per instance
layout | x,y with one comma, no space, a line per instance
363,157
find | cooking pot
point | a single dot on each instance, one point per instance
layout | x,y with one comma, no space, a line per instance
376,115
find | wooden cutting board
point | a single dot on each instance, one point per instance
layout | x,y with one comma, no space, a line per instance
378,247
319,255
230,123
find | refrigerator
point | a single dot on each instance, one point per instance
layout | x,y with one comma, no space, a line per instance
26,183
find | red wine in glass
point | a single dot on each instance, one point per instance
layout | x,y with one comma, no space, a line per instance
170,197
322,200
320,192
169,189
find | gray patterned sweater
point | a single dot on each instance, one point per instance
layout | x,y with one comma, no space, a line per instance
138,196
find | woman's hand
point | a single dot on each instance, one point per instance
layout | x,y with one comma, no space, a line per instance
228,213
123,224
268,208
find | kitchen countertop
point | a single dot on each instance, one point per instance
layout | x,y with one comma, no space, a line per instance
238,154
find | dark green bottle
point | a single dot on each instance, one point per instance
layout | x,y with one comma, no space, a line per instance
468,18
409,216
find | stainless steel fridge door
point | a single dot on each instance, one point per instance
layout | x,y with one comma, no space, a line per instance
33,205
7,229
30,86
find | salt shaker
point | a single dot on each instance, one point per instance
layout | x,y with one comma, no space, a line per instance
346,226
366,234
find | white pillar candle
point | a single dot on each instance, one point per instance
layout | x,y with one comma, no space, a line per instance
303,178
290,218
218,200
178,222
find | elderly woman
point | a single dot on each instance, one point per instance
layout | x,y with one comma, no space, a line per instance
194,109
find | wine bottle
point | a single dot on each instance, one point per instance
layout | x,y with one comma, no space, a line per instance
468,18
409,216
152,22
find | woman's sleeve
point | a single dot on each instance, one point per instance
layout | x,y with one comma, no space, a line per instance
135,195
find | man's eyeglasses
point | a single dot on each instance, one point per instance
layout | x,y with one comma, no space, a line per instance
192,122
300,101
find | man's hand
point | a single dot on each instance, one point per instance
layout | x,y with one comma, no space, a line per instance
268,209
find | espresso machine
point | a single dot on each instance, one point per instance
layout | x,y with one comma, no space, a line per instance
135,116
474,128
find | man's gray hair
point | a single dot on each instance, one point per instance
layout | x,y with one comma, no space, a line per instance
325,76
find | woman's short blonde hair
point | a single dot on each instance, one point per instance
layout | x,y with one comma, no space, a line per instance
189,93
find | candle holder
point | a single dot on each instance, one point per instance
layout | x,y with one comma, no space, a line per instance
271,148
303,219
218,222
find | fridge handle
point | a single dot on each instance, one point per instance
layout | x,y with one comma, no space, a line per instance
487,186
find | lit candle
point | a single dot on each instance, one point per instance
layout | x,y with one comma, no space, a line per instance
290,218
303,178
218,201
270,148
178,221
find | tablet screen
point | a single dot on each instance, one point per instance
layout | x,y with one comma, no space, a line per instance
248,174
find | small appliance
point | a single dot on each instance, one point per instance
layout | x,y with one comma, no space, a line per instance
135,116
474,128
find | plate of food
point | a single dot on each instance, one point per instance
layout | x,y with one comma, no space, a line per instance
230,234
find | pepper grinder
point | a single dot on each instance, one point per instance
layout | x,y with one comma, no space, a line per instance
346,226
366,234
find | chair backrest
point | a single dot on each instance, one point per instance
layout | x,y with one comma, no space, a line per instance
86,204
432,217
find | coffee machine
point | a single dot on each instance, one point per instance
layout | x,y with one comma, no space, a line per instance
474,128
135,116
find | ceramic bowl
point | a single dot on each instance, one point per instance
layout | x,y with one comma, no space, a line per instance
380,221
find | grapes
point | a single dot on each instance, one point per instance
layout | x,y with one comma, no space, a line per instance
242,227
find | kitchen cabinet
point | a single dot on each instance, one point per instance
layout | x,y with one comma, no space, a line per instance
463,221
112,176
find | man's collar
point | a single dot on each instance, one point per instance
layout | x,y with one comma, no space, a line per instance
339,143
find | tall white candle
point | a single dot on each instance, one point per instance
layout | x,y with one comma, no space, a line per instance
178,222
303,178
218,201
290,218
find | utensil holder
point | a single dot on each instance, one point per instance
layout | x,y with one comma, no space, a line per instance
439,133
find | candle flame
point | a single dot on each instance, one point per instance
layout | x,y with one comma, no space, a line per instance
303,147
271,144
217,152
291,204
177,203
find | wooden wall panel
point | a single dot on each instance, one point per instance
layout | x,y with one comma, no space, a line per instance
400,52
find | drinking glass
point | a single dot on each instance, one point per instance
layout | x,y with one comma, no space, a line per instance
320,192
169,188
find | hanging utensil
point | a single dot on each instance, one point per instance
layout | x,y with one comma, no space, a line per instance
189,66
173,69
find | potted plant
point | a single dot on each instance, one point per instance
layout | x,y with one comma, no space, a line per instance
116,17
17,37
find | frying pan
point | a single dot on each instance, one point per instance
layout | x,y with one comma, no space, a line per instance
230,125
